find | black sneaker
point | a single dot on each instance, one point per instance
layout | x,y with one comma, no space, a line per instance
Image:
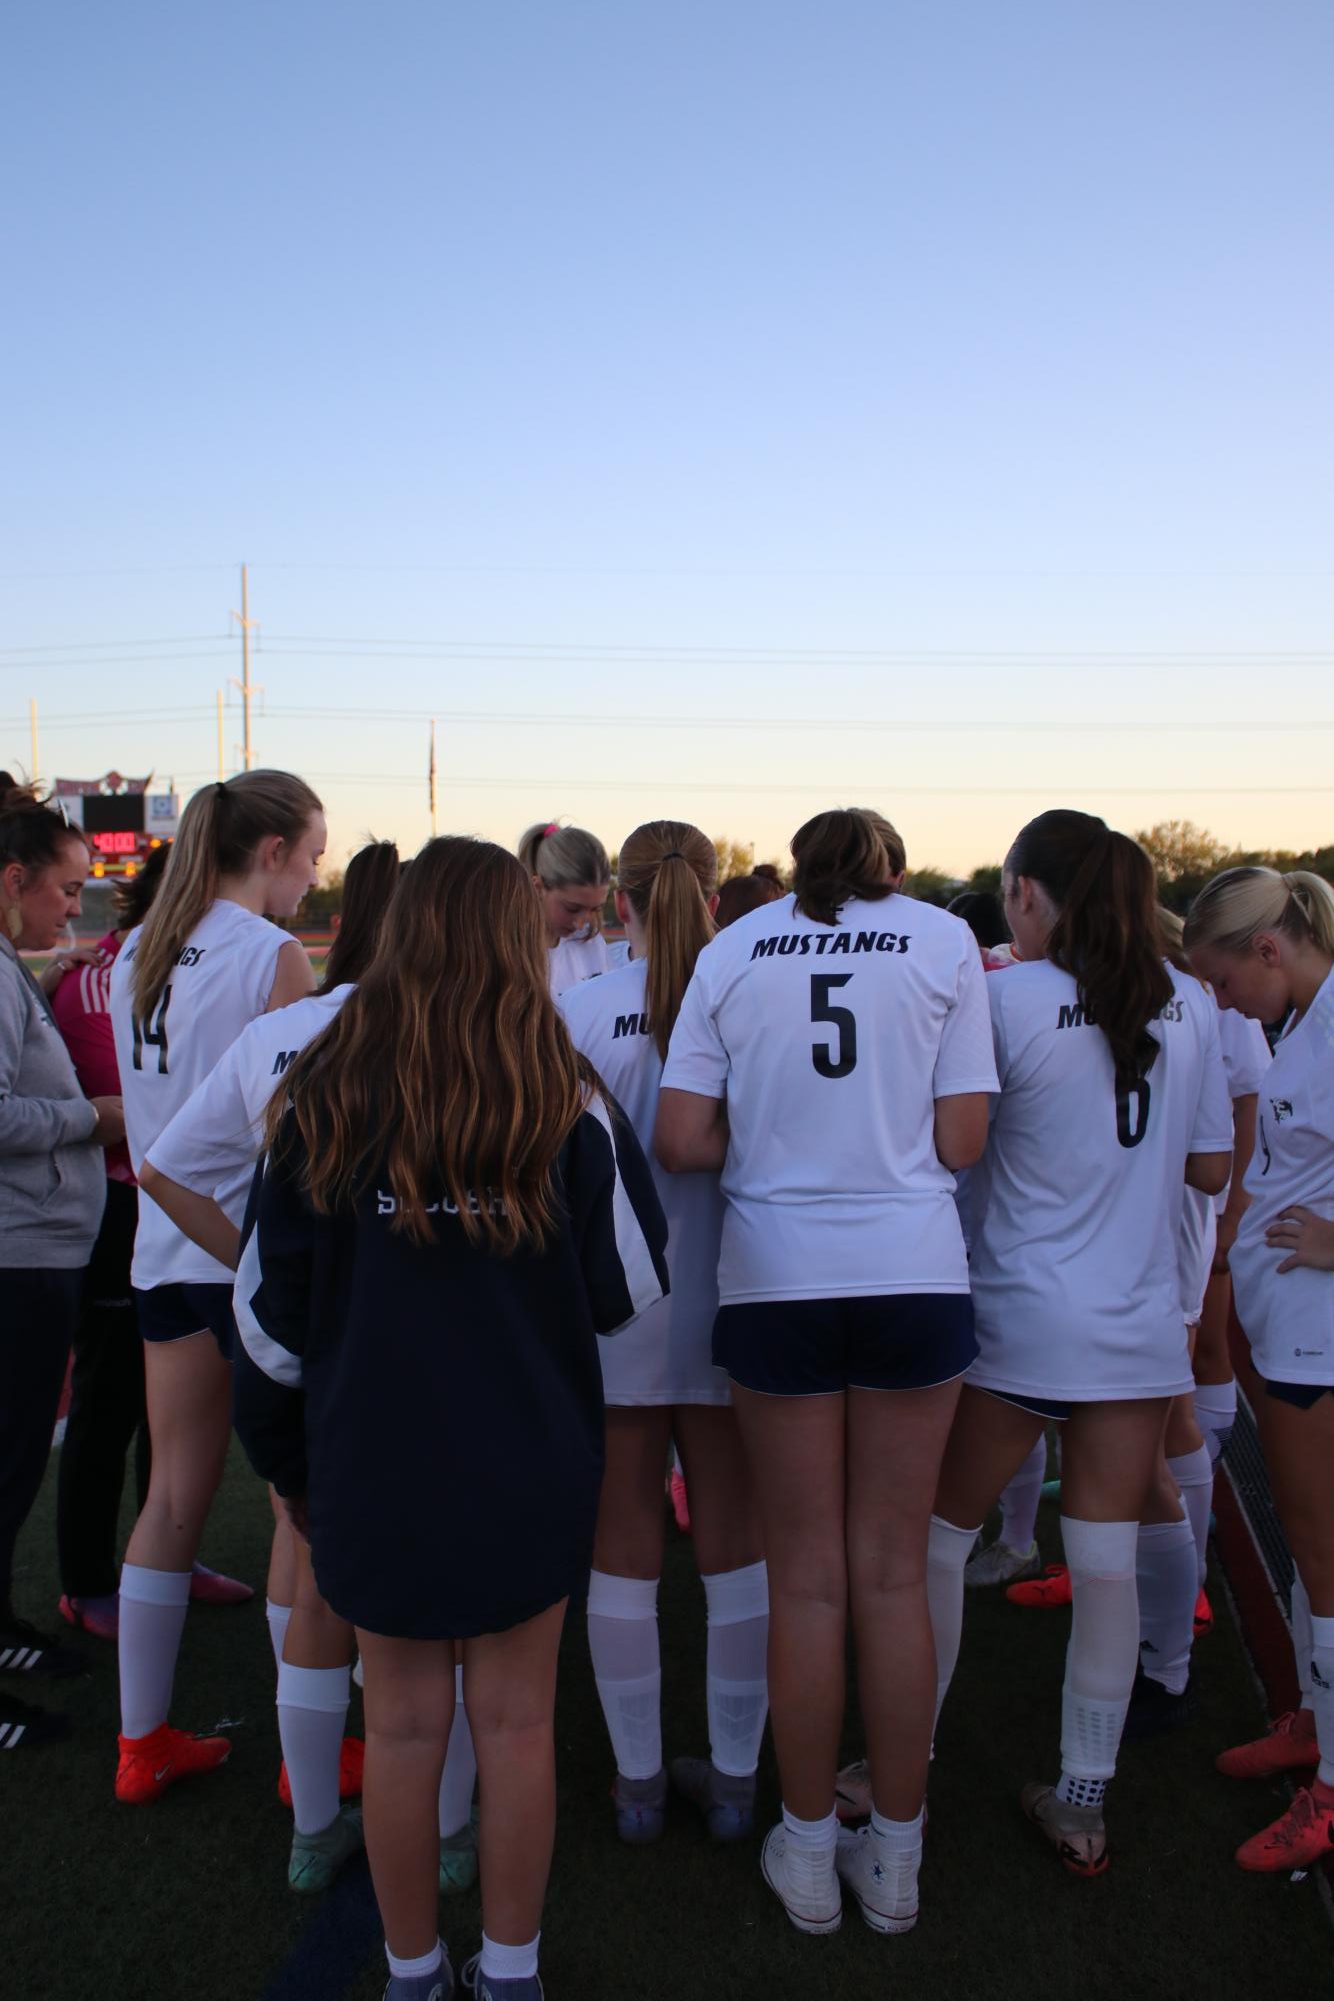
1154,1709
22,1725
24,1650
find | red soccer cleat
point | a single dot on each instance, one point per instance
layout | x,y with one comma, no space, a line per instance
1052,1588
1298,1837
676,1487
1204,1615
210,1587
1289,1747
351,1762
148,1765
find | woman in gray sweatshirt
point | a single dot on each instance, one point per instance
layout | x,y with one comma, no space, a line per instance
52,1188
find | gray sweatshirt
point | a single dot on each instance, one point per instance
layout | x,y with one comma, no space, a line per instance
52,1180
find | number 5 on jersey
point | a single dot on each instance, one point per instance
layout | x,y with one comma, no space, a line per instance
154,1033
826,1061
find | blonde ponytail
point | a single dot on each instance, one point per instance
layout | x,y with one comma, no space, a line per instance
1231,912
669,870
1315,899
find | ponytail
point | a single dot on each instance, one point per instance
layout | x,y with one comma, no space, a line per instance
1107,933
564,857
669,870
849,852
220,829
1231,911
369,883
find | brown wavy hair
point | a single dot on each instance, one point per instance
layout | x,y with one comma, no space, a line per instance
851,851
369,883
1107,933
448,1071
669,870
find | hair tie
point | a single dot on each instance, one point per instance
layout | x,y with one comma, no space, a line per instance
552,829
220,788
674,856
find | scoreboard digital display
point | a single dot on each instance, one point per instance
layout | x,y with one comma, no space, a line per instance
114,843
113,813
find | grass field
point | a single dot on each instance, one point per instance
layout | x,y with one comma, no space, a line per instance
187,1900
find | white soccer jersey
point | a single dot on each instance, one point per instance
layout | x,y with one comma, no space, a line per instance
1245,1054
830,1043
1289,1317
222,979
1074,1267
665,1356
574,960
213,1142
1246,1058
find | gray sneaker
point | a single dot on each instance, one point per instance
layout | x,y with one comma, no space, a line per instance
999,1564
437,1986
1076,1832
640,1807
483,1988
727,1804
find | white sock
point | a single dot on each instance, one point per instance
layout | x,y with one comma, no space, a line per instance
1167,1577
509,1962
1019,1502
1194,1475
623,1641
1215,1413
460,1773
1322,1694
1104,1645
417,1969
1303,1642
153,1605
947,1552
811,1845
1081,1792
277,1616
312,1717
897,1847
736,1679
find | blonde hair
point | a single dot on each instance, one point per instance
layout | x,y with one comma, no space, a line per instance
220,829
669,870
1231,911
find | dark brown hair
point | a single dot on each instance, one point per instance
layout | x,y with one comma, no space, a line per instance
851,851
32,833
369,883
669,870
745,893
133,898
1107,934
448,1070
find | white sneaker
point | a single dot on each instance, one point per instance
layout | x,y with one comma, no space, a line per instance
999,1564
884,1886
806,1885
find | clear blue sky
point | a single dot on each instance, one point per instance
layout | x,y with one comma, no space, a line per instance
616,369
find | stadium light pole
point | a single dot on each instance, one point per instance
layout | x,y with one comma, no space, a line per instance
245,685
32,721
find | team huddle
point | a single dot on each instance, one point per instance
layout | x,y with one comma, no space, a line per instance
810,1194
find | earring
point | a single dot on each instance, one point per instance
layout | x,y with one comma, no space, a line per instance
13,921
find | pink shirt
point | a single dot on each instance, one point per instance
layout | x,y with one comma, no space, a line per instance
81,1006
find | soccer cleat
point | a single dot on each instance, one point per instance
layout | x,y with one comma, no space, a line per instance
809,1890
886,1889
640,1807
1204,1615
210,1587
22,1725
999,1564
1290,1746
351,1761
852,1791
1154,1708
25,1650
458,1858
484,1986
676,1488
1052,1588
1298,1837
437,1986
98,1616
1076,1832
727,1803
317,1858
148,1765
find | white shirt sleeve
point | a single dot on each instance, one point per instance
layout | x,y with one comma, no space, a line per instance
212,1137
696,1058
1245,1053
1213,1114
964,1059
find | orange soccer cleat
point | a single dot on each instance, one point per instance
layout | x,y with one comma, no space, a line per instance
1298,1837
148,1765
351,1760
1052,1588
1204,1615
1289,1747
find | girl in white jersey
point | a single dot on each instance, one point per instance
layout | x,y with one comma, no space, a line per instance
572,877
832,1056
205,963
1265,943
661,1385
1111,1099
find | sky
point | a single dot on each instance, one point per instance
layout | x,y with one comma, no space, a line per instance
716,411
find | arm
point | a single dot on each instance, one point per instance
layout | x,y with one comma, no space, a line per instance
691,1132
961,1129
33,1125
1238,1201
293,976
197,1217
1208,1172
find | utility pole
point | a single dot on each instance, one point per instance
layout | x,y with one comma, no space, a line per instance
245,622
222,753
432,778
32,719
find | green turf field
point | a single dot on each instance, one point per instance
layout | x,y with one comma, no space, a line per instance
187,1900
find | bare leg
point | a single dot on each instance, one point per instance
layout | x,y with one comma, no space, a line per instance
509,1690
629,1537
189,1389
409,1710
724,1517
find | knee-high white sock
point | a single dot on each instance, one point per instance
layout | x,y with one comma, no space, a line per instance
623,1641
1322,1693
1215,1413
947,1551
278,1617
1168,1581
153,1605
460,1773
1303,1641
1194,1475
1100,1659
736,1679
312,1716
1019,1502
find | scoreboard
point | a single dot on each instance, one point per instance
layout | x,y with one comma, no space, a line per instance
120,818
